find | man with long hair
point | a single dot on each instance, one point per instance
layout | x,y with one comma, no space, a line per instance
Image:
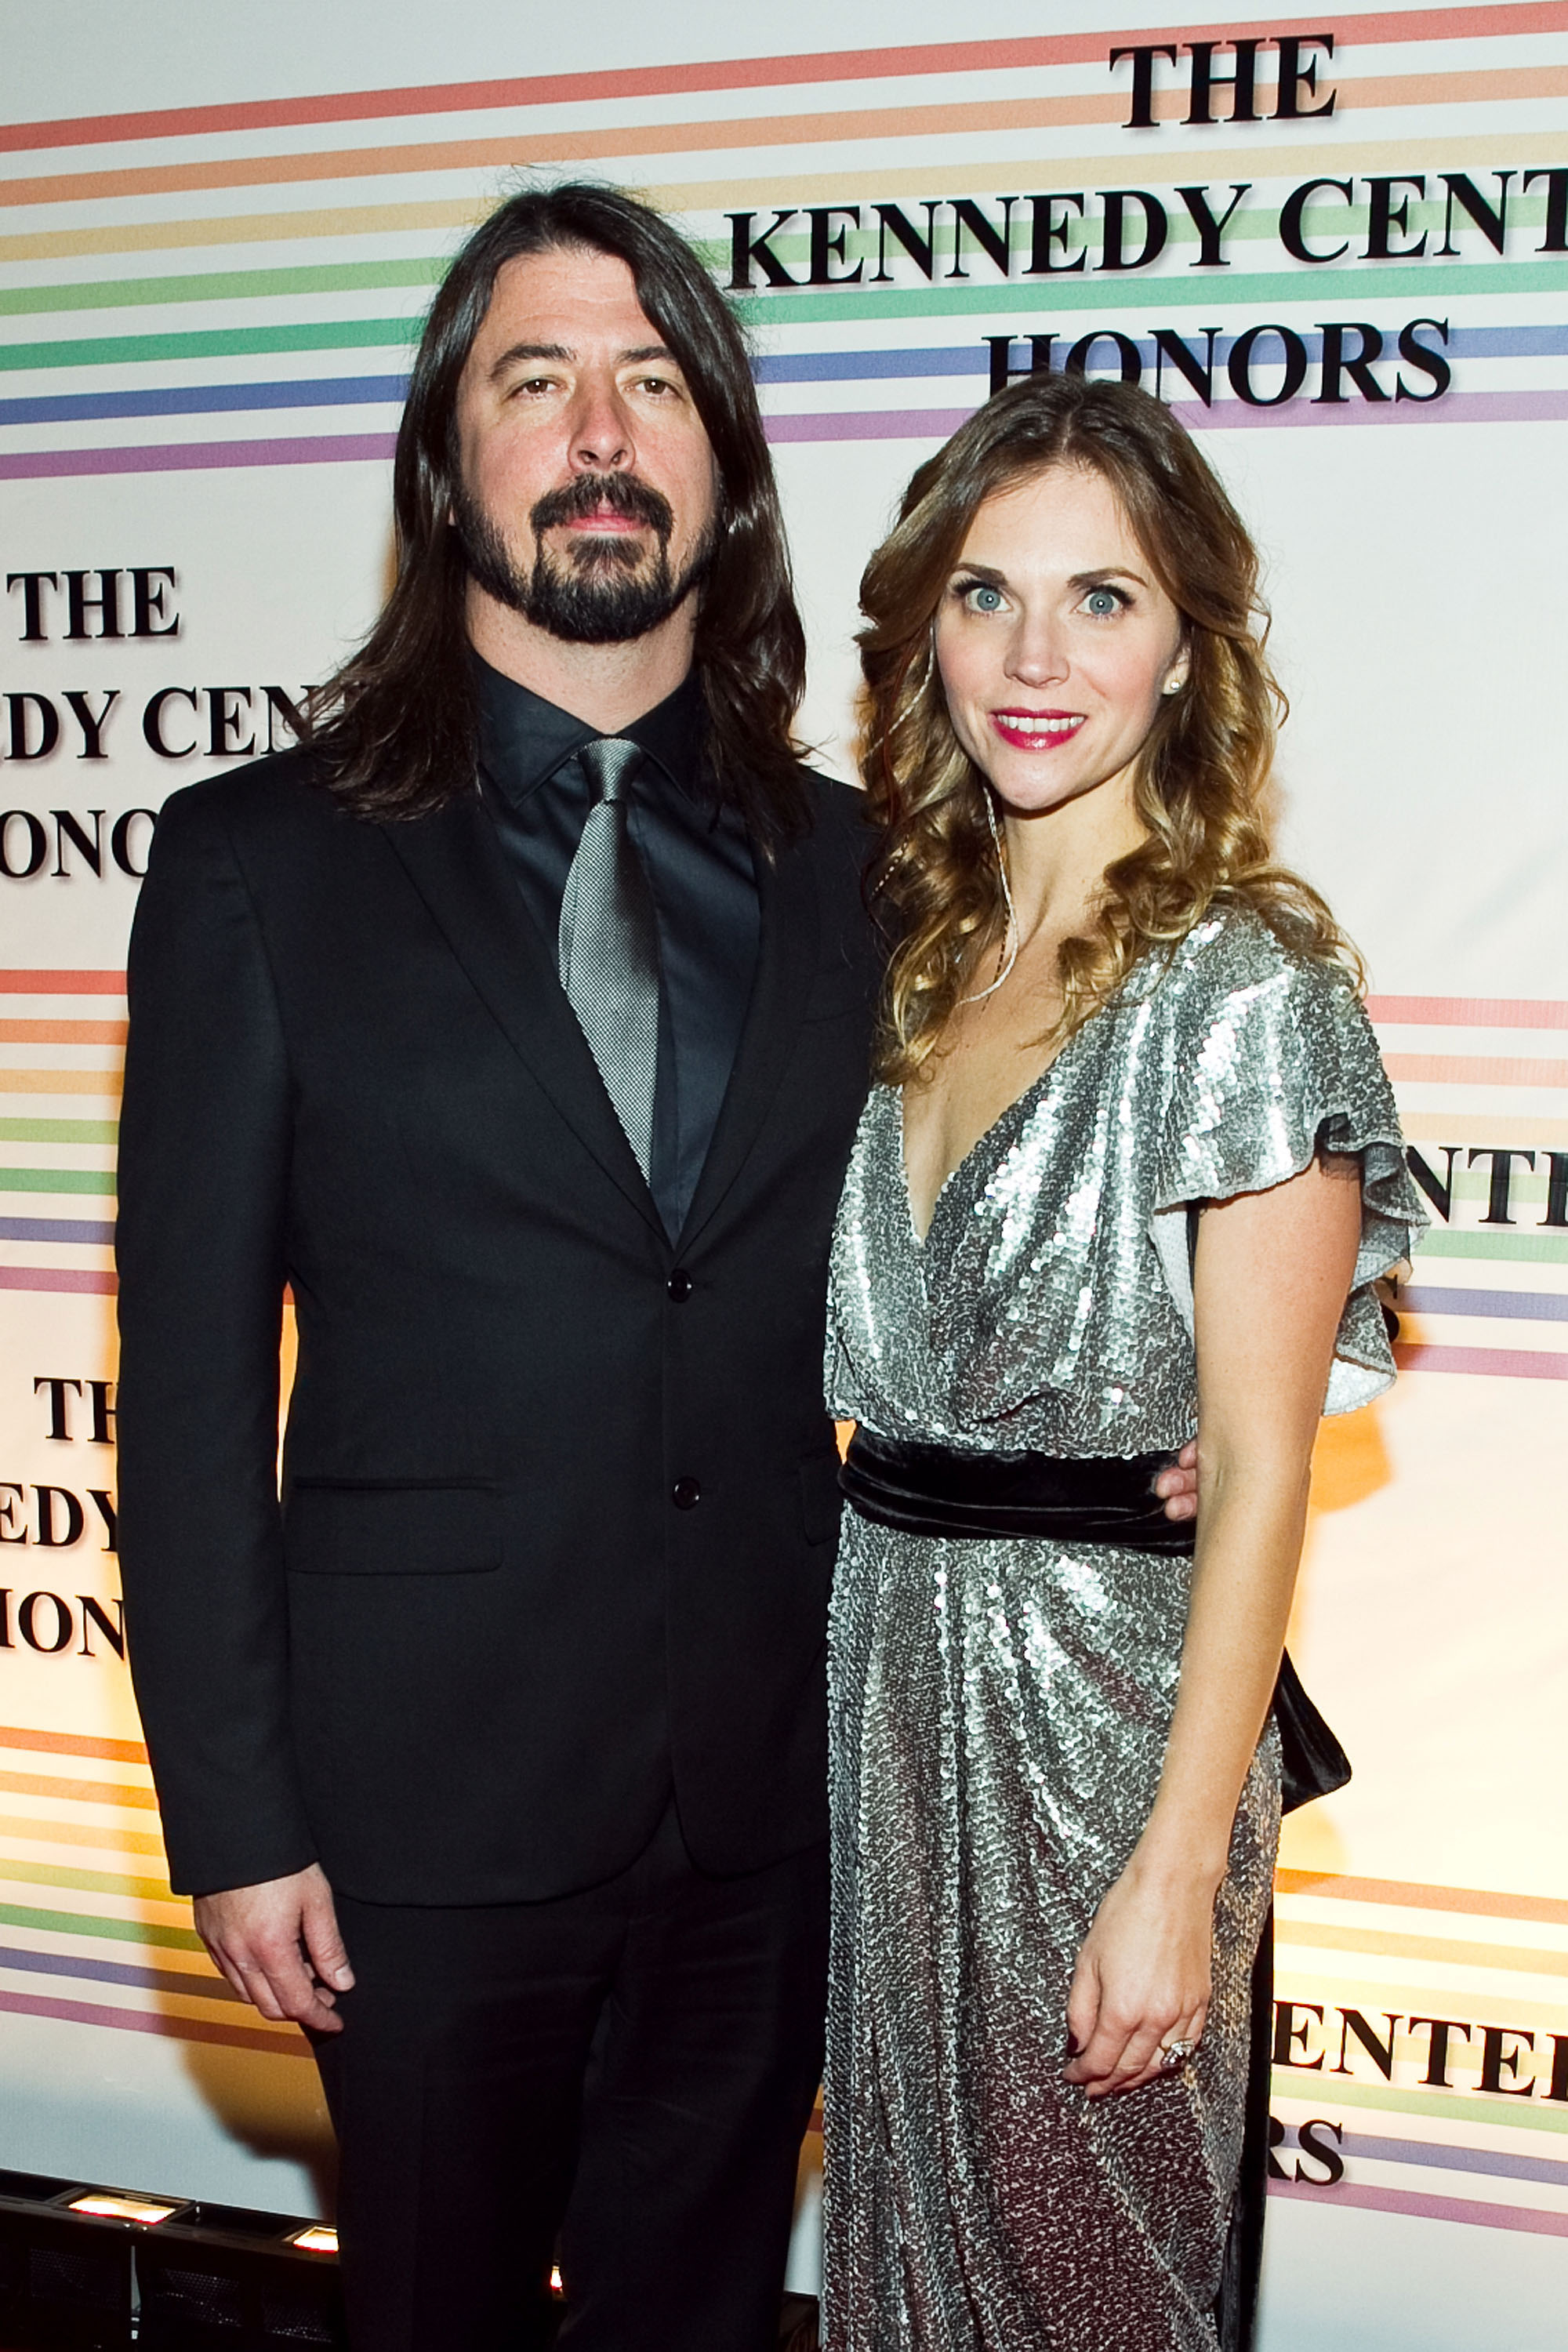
519,1020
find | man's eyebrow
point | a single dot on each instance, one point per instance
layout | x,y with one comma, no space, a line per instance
519,353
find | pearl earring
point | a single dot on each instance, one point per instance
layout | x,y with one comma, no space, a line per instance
1173,686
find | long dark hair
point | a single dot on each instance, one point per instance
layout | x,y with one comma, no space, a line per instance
396,727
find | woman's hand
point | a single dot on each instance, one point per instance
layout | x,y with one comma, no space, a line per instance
1143,1979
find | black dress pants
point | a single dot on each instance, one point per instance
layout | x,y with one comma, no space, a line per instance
628,2070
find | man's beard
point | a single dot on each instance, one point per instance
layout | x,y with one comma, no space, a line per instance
605,590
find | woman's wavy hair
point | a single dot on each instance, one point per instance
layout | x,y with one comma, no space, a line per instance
396,727
1200,776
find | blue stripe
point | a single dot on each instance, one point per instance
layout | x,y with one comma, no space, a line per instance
66,1964
54,1229
1517,1306
1441,2159
206,399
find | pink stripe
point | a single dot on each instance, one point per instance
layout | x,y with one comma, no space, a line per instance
1495,1363
152,2021
181,457
1472,1012
1534,2218
56,1277
1476,1069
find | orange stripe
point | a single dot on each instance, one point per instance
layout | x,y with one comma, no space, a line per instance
73,1743
62,983
85,1792
803,128
63,1033
82,1833
1470,1069
60,1082
1405,1892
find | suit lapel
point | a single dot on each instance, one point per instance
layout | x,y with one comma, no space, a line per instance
786,961
456,864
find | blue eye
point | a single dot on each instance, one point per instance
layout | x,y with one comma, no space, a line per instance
1103,602
980,597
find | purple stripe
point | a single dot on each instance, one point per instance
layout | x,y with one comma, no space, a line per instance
871,425
1497,1363
180,457
56,1229
56,1277
147,2021
1532,2219
27,1962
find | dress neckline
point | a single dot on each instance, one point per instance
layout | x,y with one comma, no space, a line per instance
1026,1097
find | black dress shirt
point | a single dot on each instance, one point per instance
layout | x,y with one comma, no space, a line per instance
698,858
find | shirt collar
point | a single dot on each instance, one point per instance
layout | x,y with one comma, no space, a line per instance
523,739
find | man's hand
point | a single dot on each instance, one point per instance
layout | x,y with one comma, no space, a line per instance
278,1945
1178,1485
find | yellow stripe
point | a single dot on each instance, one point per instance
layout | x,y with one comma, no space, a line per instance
1392,1944
112,1837
245,228
60,1082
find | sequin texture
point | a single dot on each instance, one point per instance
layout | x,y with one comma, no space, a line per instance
1000,1708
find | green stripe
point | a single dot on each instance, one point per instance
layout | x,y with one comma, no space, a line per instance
58,1130
222,286
117,1931
1125,291
86,1881
1535,1249
1455,2107
57,1179
214,343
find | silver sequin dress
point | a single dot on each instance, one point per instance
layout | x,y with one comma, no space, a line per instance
1000,1707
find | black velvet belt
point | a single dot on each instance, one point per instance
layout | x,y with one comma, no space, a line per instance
932,1490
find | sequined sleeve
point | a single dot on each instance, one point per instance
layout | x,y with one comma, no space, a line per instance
1271,1059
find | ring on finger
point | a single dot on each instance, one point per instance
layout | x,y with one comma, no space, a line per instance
1176,2054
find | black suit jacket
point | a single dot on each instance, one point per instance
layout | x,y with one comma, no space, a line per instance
558,1500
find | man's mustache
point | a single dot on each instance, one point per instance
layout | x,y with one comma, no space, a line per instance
587,494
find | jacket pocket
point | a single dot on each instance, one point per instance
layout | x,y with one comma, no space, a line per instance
820,1500
391,1531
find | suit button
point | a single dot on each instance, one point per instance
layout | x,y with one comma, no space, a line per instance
680,1285
685,1494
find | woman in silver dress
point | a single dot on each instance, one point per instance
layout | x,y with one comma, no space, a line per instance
1131,1171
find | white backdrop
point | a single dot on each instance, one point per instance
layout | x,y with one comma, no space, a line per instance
219,234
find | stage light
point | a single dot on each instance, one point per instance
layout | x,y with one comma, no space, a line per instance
317,2240
108,2208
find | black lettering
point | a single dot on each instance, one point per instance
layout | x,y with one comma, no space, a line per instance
997,242
1199,374
1002,371
1295,77
91,728
148,582
1238,367
1210,230
1501,1179
1380,2052
31,584
1383,216
60,1431
1047,230
1556,238
1558,2088
21,745
891,220
5,1640
1113,252
113,1631
28,1623
119,840
1290,2035
1142,55
827,244
38,844
1463,192
153,721
1081,358
1429,362
282,710
102,1502
1310,2141
12,1525
1556,1189
224,721
1357,366
1496,2060
68,828
746,248
1442,2030
1439,1190
1276,2170
79,605
99,1393
1243,81
1292,212
48,1537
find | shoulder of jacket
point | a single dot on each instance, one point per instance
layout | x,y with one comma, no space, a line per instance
283,793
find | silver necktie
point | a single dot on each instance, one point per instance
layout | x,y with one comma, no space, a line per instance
609,944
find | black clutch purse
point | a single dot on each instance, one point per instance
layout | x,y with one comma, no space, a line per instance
1311,1762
